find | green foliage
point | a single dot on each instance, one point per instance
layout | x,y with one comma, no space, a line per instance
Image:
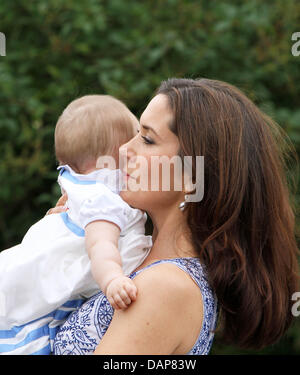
58,50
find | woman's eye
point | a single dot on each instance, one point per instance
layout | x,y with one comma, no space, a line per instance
147,141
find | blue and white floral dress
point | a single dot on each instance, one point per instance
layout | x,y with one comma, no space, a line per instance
85,327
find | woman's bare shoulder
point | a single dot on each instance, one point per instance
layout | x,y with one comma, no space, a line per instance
168,277
165,293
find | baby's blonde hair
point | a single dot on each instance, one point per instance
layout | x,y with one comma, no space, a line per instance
92,126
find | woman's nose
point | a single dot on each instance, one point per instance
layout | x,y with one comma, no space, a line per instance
126,153
126,150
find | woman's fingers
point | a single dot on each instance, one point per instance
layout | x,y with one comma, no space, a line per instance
60,205
56,210
62,200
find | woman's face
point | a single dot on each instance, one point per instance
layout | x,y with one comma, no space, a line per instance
139,159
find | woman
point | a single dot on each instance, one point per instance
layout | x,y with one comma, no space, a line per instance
236,246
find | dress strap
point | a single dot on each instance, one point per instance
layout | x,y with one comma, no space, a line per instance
190,265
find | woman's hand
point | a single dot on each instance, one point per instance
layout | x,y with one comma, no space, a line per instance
60,206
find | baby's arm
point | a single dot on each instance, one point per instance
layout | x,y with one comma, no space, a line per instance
101,239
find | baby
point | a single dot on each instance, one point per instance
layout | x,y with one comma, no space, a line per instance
65,258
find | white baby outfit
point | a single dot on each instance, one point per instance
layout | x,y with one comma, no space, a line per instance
48,275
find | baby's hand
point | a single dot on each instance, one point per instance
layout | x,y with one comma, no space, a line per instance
120,292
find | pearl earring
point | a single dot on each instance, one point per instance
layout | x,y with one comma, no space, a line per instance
183,204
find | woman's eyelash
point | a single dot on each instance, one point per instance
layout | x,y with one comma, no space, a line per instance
146,140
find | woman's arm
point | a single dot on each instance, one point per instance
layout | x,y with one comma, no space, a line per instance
158,322
101,240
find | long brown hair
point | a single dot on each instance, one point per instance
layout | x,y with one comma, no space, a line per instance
244,227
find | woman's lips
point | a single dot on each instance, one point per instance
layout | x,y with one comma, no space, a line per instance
126,176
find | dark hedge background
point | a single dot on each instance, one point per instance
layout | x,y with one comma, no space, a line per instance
58,50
